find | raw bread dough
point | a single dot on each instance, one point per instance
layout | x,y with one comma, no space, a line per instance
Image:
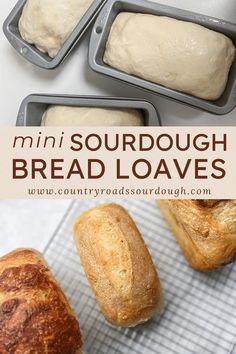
91,116
48,23
180,55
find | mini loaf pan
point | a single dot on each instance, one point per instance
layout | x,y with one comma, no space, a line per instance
30,52
33,107
101,31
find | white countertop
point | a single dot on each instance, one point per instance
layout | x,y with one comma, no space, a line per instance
29,223
19,78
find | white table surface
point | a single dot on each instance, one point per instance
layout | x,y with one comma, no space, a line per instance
29,223
19,78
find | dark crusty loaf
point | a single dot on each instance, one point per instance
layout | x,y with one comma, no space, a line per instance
35,316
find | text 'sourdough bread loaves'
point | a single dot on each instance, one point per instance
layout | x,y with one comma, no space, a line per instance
48,23
35,316
118,265
205,230
180,55
91,116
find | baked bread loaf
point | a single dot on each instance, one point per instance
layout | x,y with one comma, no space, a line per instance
181,55
118,265
91,116
35,316
205,230
48,23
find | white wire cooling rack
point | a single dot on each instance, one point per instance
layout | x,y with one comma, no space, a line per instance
200,309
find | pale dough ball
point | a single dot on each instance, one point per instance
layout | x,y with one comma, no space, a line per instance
48,23
91,116
180,55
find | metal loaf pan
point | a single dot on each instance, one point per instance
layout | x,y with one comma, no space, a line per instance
101,31
30,52
33,106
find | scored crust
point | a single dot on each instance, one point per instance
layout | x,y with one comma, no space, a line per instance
118,265
205,230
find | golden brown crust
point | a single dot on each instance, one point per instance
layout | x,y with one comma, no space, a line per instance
205,230
118,265
35,316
